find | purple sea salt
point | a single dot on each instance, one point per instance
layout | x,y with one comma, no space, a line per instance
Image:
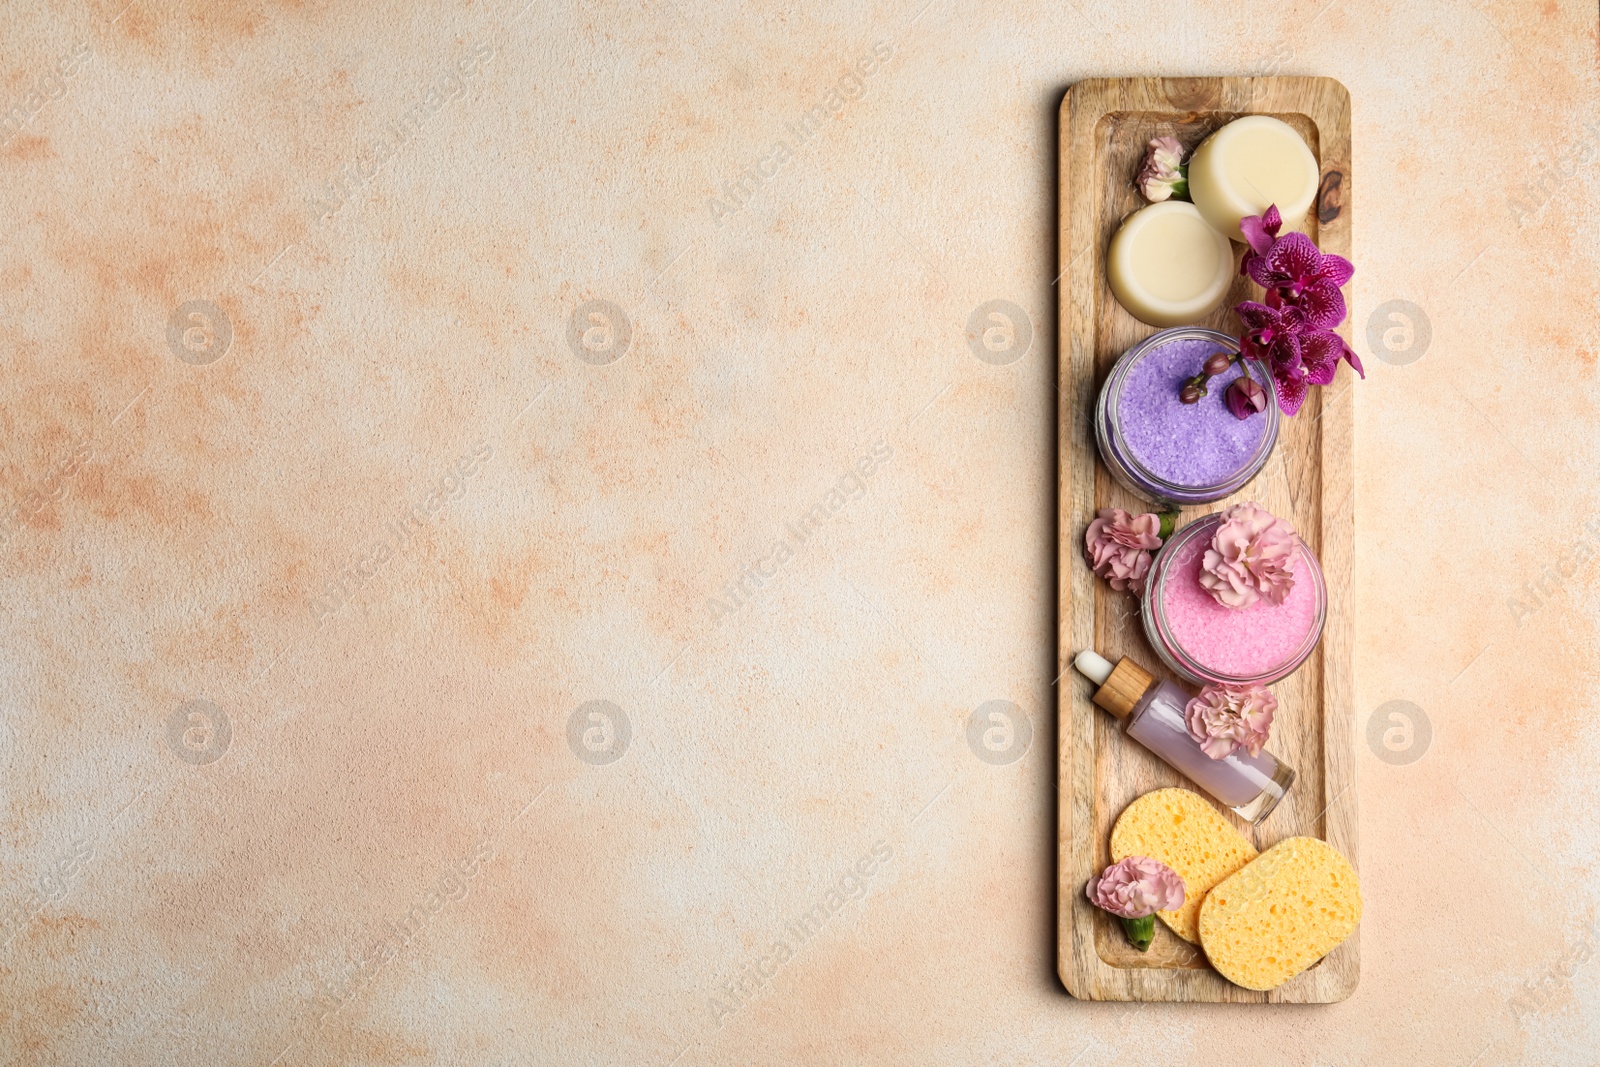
1191,445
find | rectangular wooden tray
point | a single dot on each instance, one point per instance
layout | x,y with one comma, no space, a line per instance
1105,124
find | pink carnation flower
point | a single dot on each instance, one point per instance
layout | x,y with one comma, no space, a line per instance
1252,557
1224,719
1119,545
1136,887
1162,175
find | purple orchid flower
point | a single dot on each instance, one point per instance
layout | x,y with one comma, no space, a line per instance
1320,352
1271,333
1260,233
1305,277
1293,330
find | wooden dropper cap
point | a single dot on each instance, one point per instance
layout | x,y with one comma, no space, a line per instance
1120,687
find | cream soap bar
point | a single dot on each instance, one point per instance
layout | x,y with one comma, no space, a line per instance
1167,266
1248,165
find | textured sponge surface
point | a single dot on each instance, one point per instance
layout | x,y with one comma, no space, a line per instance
1280,913
1182,830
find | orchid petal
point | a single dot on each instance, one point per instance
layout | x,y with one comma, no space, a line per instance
1319,354
1291,319
1259,270
1255,234
1322,305
1285,353
1272,220
1291,389
1293,259
1336,269
1351,357
1255,316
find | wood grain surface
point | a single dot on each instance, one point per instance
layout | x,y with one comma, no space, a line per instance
1105,124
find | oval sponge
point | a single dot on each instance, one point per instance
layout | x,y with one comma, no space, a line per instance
1281,913
1182,830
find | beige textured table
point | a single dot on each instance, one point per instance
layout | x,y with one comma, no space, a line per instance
528,531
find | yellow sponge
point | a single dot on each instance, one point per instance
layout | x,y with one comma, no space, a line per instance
1280,914
1182,830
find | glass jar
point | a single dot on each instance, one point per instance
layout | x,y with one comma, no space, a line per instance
1174,454
1206,643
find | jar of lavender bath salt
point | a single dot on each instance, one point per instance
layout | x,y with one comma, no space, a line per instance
1171,453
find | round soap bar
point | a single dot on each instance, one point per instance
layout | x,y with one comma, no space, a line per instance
1246,166
1167,266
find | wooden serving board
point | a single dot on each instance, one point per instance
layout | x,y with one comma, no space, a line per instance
1105,125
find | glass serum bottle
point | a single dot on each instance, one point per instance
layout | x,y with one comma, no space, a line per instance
1152,713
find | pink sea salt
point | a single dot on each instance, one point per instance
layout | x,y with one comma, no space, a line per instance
1237,643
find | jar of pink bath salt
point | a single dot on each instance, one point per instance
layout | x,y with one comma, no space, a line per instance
1209,644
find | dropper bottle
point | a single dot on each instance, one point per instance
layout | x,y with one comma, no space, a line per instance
1152,713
